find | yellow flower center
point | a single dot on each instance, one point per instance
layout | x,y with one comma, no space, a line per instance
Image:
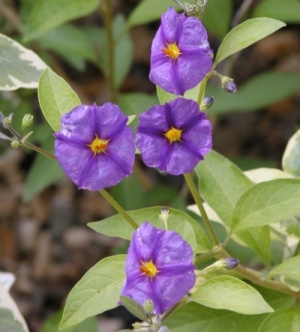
98,145
149,269
172,51
173,134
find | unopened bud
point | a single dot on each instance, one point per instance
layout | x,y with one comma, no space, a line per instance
7,121
164,216
163,329
148,307
231,263
15,144
207,103
228,84
27,121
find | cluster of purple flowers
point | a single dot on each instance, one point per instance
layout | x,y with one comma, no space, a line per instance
95,146
96,149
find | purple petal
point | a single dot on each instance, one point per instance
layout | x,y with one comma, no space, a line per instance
194,62
173,258
174,157
173,288
89,170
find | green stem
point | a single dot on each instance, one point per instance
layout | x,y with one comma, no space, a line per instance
39,150
103,192
110,49
118,208
198,201
202,88
208,255
259,279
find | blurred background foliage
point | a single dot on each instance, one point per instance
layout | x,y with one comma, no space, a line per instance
78,39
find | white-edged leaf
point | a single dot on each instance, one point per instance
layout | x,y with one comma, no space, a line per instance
56,97
263,174
19,66
291,156
226,292
7,280
10,317
246,34
97,291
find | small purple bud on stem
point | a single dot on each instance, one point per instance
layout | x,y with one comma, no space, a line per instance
231,263
228,84
207,103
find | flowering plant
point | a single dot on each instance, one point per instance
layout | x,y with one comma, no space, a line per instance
226,258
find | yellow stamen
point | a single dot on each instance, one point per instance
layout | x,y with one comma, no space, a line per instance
173,134
172,51
98,145
149,269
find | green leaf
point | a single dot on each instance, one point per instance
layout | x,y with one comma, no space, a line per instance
211,18
266,203
286,320
72,43
135,308
97,291
291,156
194,318
56,97
287,11
221,184
150,10
268,88
226,292
49,14
258,239
19,66
178,221
52,324
246,34
289,269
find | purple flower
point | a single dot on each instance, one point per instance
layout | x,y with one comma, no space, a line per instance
158,268
174,137
95,147
180,53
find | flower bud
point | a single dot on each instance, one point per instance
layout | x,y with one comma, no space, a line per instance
7,121
27,121
231,263
148,307
163,329
15,144
207,103
164,216
228,84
